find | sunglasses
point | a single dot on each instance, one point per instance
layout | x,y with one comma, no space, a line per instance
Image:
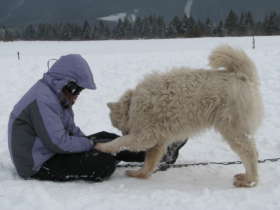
73,88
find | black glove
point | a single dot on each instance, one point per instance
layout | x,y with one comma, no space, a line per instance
102,137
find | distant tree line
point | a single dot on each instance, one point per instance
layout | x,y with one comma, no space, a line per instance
149,27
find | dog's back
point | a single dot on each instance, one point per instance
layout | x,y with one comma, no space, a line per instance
198,99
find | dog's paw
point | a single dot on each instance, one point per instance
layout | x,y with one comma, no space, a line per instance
137,174
99,147
241,180
102,148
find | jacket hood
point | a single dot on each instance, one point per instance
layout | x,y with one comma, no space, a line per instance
72,67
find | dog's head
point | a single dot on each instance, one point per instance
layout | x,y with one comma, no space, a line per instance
119,112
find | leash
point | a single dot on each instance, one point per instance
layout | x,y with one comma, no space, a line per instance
166,166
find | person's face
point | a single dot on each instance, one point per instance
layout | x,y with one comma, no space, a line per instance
70,98
71,92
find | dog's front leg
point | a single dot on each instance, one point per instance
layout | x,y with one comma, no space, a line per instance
115,146
153,156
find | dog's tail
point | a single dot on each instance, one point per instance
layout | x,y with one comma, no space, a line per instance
233,60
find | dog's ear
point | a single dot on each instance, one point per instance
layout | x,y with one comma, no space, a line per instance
112,106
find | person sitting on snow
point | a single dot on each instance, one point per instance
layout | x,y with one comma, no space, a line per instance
45,143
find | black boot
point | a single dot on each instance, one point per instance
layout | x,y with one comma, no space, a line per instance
173,151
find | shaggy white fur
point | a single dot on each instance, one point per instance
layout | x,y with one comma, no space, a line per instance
167,107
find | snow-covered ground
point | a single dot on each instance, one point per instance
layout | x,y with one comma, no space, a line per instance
118,65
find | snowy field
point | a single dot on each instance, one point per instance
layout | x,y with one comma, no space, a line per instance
118,65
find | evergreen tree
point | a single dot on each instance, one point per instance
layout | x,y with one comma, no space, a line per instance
2,33
29,33
147,28
188,27
9,35
77,32
231,23
208,28
128,29
259,28
161,27
271,24
86,31
94,33
101,31
242,29
174,27
51,33
184,28
45,32
219,30
66,33
137,30
118,31
107,32
249,23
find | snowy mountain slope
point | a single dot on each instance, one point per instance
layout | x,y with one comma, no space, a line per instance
118,65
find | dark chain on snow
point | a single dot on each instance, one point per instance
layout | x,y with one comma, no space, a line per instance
165,166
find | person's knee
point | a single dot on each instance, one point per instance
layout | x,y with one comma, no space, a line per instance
109,170
106,167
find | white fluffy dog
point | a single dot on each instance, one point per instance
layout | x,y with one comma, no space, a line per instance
167,107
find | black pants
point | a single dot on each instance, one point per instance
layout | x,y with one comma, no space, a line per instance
91,166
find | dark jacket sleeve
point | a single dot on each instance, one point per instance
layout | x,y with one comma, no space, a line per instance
75,130
50,129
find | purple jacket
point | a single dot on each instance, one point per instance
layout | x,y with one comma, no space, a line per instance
39,126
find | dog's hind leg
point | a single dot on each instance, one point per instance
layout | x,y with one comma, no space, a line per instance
244,146
153,157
